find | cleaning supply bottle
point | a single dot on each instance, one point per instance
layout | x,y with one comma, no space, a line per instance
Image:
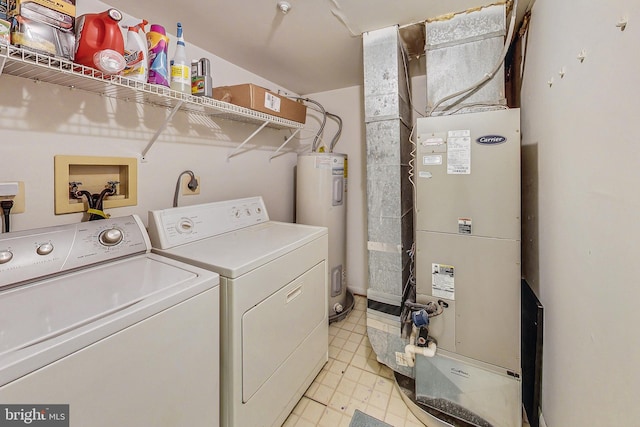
201,82
99,41
136,53
181,68
196,78
205,66
157,43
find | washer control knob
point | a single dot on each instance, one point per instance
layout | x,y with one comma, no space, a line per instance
5,256
111,237
184,226
44,249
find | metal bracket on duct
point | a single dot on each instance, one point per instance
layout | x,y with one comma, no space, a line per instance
389,194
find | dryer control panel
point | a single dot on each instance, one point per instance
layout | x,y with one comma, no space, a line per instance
31,254
176,226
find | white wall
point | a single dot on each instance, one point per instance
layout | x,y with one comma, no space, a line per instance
39,121
581,202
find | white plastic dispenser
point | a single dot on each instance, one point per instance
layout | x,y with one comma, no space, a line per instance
181,67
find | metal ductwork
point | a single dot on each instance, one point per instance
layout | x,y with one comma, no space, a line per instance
389,192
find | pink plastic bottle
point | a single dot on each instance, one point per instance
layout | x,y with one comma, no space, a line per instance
99,34
158,44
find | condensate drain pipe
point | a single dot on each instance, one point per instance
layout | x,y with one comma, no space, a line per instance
410,350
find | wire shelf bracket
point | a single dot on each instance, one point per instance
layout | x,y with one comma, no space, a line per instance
239,147
161,129
275,153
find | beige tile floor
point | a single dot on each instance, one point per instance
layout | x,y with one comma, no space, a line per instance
352,379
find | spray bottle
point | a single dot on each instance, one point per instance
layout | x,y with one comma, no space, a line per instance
181,67
136,53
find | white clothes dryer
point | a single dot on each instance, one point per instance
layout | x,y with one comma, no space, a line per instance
273,282
91,319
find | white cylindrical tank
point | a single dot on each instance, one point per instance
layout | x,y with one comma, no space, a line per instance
321,199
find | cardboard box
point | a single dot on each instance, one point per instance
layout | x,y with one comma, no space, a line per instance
260,99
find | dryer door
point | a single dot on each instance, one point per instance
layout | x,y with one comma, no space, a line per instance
273,329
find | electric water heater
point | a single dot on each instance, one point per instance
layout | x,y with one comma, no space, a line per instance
321,199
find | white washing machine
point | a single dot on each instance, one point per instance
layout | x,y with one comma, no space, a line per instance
273,281
91,319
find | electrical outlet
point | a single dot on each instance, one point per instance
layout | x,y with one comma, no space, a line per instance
18,199
186,191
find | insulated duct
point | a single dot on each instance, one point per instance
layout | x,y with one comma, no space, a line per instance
389,192
461,50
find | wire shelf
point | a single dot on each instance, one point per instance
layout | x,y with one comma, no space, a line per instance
36,66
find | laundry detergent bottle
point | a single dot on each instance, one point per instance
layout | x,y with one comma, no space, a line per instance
136,53
158,43
99,41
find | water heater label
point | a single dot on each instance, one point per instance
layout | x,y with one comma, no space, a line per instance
442,281
323,162
337,166
459,152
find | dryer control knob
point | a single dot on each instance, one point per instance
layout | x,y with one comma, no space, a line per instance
44,249
111,237
184,226
5,256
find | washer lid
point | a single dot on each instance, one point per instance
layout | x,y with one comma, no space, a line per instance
236,253
48,319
